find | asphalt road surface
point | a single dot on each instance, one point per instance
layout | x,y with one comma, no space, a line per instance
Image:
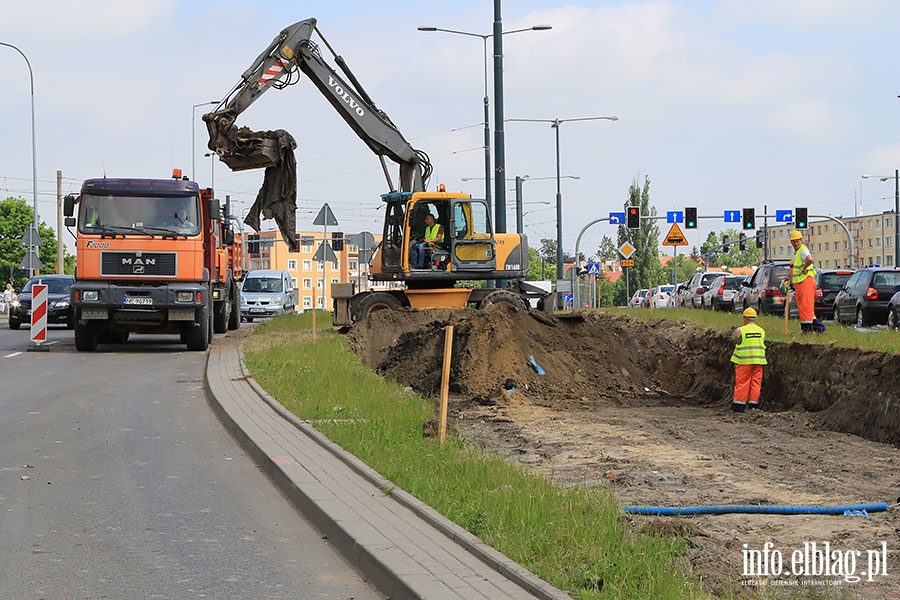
118,481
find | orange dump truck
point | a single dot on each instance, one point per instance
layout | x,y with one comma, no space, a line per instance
153,256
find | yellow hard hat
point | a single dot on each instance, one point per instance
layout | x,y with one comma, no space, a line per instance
796,235
749,313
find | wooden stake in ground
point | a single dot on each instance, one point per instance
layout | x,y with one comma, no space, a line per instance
787,310
445,382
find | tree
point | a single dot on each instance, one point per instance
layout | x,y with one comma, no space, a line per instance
607,249
716,255
536,267
548,251
16,216
645,240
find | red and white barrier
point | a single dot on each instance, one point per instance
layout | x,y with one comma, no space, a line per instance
39,313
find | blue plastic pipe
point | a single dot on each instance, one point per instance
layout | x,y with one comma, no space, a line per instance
754,508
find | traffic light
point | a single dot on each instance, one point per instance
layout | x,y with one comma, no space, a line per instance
337,241
749,218
634,217
760,238
253,244
742,241
690,217
726,245
800,215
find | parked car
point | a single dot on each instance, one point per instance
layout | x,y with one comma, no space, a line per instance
637,300
722,291
738,300
763,290
865,297
894,311
59,307
697,286
267,293
828,284
663,296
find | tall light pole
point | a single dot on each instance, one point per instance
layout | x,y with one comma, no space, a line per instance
193,136
555,124
487,109
896,178
33,246
520,181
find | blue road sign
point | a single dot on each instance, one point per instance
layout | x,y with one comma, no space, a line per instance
675,216
568,297
732,216
784,216
594,268
616,218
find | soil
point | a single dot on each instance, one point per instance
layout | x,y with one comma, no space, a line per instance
643,407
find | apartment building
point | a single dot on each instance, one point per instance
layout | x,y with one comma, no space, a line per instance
873,238
312,278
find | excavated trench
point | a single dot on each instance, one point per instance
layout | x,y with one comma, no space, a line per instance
590,359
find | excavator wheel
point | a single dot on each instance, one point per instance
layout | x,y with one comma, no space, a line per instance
375,302
503,297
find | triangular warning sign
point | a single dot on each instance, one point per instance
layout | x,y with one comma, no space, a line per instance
675,237
325,217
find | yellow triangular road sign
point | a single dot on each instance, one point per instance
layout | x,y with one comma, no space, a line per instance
675,237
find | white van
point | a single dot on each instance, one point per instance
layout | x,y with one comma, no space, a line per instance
267,293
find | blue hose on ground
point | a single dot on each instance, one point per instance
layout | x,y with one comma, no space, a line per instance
754,508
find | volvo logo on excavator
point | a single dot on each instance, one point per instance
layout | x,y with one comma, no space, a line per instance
346,97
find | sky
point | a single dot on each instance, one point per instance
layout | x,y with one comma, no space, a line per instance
722,104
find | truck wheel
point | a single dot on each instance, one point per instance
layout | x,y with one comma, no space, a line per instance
503,297
220,316
197,337
85,337
234,317
375,302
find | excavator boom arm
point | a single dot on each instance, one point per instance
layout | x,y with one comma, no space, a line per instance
276,67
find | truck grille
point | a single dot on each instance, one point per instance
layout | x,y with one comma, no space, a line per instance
138,264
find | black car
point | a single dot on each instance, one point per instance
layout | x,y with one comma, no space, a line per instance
894,311
828,284
864,298
763,289
59,307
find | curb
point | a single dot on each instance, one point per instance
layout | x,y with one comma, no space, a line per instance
379,566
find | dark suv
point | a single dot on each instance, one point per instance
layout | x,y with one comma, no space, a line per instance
828,284
764,288
59,308
865,297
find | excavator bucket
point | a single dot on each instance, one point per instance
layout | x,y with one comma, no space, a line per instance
253,149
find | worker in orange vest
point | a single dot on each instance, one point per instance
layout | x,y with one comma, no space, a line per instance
803,278
749,357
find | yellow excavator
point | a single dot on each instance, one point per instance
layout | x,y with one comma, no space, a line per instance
465,249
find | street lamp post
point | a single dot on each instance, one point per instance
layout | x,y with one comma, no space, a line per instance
520,181
487,108
896,178
555,124
193,136
32,247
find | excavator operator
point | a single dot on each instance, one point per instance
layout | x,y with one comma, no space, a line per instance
434,236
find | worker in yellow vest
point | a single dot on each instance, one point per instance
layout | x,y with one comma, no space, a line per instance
434,236
803,278
749,357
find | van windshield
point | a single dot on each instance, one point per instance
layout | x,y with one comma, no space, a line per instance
263,284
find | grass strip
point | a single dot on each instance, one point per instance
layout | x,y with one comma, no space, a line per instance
576,539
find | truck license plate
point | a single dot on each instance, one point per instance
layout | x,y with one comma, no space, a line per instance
139,301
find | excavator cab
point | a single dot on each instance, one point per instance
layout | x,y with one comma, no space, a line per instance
466,252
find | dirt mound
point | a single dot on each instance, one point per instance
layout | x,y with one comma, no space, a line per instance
591,358
643,407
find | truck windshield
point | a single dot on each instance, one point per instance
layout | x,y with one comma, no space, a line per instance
138,215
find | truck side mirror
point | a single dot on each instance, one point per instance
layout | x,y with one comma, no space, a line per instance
214,211
69,206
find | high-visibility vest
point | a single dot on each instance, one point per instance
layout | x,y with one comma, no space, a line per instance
797,274
432,232
751,350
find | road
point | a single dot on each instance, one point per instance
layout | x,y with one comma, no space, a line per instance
118,481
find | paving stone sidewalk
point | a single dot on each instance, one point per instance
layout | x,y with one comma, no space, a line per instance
406,548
